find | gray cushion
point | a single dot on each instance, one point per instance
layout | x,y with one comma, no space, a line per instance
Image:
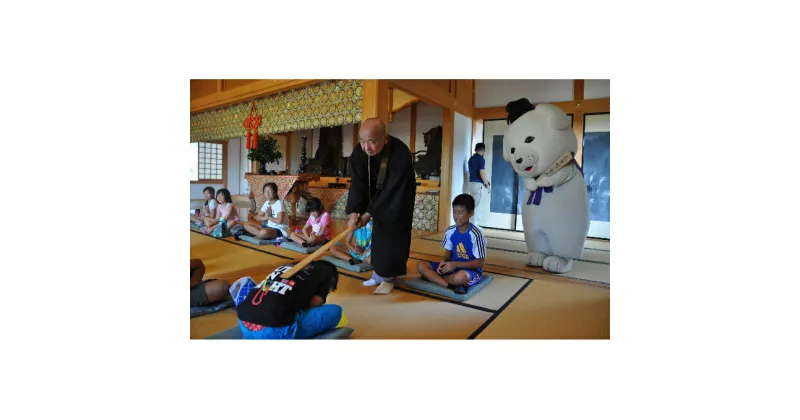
255,241
359,268
433,288
299,248
210,309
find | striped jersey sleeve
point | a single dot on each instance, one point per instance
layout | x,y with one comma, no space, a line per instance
446,242
479,242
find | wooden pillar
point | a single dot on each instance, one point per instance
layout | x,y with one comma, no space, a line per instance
475,138
391,103
448,125
288,157
413,137
225,164
375,100
577,117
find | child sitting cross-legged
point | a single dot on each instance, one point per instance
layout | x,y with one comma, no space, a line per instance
465,251
272,216
225,218
357,247
208,208
317,229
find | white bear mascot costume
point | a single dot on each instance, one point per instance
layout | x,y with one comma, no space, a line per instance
555,213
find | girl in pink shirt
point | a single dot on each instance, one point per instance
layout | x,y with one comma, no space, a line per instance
317,230
226,212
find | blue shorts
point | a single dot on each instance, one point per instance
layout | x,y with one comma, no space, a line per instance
475,276
307,324
266,225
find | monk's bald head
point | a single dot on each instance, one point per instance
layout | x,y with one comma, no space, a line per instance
372,136
374,124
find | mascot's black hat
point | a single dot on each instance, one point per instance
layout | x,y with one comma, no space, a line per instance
518,108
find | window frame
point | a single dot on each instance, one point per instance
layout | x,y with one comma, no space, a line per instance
224,180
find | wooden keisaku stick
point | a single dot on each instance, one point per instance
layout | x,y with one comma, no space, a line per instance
316,254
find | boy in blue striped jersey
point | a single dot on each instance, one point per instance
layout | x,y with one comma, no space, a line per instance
465,251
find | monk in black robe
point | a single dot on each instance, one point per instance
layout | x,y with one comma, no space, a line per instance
392,208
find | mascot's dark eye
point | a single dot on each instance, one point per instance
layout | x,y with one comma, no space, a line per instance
528,139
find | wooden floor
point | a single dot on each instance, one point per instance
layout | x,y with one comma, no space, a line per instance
520,303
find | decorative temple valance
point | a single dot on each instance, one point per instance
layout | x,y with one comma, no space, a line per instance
327,104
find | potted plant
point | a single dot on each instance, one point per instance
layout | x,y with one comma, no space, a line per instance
265,152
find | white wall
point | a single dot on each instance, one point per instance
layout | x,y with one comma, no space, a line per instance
400,126
347,139
462,139
196,190
596,88
234,165
234,161
491,93
476,136
244,167
428,116
597,123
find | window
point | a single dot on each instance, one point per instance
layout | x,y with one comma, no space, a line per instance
193,162
206,162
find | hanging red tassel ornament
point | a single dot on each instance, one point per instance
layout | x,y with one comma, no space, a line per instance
251,123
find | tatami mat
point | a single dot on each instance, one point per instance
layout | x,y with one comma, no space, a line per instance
551,308
220,257
206,325
336,227
269,249
592,255
394,316
272,249
397,315
400,315
597,244
492,297
583,270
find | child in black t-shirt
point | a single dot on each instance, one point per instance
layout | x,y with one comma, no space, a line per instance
291,308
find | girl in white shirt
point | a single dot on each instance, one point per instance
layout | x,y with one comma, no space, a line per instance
272,216
208,209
